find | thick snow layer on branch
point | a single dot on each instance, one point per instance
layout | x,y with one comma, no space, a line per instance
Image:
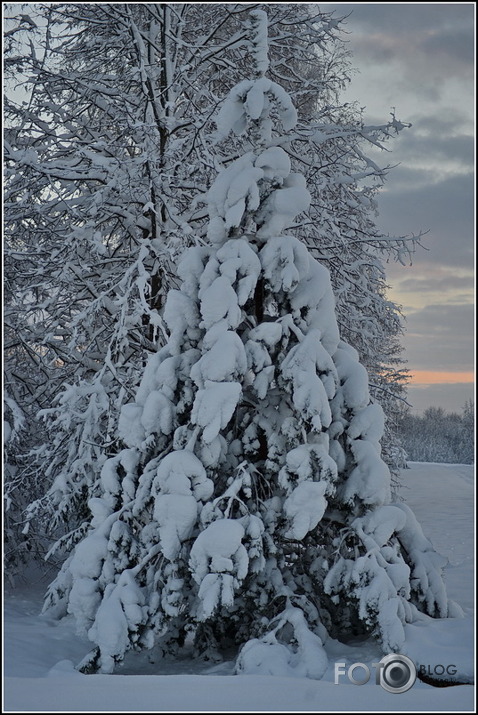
219,549
216,230
259,657
313,300
254,530
213,453
130,429
109,476
191,267
149,380
181,472
234,190
89,556
367,423
219,562
281,207
300,368
85,568
353,376
243,194
250,99
137,421
255,100
215,589
180,312
285,261
219,303
370,479
390,621
376,593
225,361
257,356
214,407
426,565
232,116
158,414
240,264
381,523
118,619
267,656
366,580
242,186
180,483
176,515
261,368
113,484
304,508
165,379
309,461
99,509
298,464
274,162
267,333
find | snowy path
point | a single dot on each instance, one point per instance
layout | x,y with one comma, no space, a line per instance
39,653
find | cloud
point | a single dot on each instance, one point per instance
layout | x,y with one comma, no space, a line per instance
455,43
441,281
420,144
411,54
422,378
431,37
454,122
440,337
402,17
414,202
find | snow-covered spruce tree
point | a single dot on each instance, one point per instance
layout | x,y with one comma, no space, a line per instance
250,504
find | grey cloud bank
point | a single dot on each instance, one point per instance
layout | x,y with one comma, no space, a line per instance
419,60
438,336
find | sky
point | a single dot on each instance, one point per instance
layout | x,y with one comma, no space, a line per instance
419,59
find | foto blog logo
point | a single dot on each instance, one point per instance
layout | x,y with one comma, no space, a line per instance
395,673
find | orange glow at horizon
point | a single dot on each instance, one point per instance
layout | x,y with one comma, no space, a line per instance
436,377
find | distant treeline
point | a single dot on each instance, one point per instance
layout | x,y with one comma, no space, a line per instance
439,436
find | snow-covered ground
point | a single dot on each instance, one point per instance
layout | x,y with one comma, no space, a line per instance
39,653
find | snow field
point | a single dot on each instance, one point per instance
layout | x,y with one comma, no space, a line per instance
40,652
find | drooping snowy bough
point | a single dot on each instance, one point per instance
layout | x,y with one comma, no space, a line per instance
250,505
